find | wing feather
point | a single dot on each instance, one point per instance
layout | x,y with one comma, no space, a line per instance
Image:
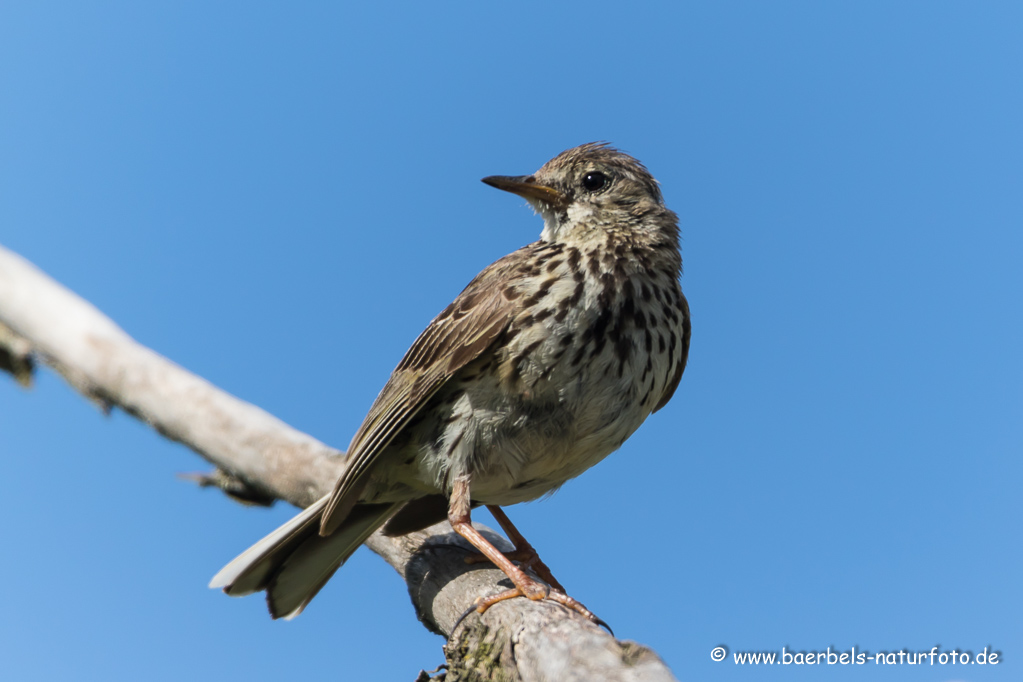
456,337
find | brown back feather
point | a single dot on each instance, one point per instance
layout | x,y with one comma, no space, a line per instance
456,337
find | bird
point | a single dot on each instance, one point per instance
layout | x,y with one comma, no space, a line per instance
542,366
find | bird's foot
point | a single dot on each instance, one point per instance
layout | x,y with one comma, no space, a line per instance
528,558
535,591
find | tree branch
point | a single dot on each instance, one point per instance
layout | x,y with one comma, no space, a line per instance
260,458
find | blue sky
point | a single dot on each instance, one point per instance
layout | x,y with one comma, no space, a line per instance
280,197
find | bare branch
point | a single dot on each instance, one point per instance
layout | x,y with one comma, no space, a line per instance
259,458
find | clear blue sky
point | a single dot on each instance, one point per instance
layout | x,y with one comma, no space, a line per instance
279,198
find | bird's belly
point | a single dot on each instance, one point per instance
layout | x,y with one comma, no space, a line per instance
518,447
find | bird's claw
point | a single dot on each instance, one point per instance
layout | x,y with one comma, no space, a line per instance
541,592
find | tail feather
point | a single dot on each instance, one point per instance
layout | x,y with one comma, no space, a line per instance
293,562
252,570
308,568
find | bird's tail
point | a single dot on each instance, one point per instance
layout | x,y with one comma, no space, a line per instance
295,561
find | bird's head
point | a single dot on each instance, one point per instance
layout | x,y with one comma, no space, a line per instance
590,189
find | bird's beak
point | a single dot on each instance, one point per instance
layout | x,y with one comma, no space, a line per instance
526,187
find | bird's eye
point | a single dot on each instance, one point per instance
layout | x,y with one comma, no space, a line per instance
595,181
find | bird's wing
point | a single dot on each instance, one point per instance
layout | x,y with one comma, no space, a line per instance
460,334
669,390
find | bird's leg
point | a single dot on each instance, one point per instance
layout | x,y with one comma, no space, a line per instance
458,515
523,552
